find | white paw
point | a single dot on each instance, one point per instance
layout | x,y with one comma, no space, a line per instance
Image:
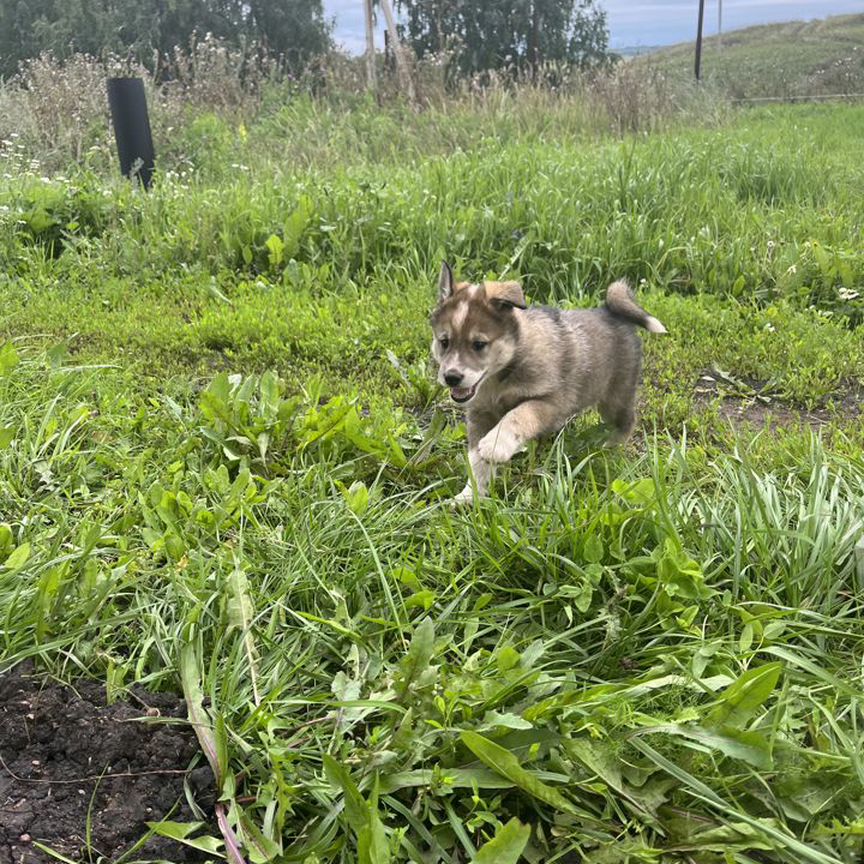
499,445
466,496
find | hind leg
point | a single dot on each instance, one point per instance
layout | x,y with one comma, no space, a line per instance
618,408
620,417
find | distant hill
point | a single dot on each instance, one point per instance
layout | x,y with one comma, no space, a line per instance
799,58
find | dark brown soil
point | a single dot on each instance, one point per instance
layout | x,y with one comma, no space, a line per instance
754,404
67,759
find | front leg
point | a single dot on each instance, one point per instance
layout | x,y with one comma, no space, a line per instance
527,421
481,470
481,474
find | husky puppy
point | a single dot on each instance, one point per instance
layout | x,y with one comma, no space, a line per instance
524,372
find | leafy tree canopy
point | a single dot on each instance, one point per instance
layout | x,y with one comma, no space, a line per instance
295,30
498,34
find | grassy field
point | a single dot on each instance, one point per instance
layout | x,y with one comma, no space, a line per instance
224,468
799,58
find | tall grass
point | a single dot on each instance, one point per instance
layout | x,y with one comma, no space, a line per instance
54,113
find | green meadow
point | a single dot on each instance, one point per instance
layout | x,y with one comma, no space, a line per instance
225,465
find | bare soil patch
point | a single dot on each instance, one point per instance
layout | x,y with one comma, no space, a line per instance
748,400
73,766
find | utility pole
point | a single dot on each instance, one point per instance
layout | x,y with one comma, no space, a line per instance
370,45
720,24
699,40
401,60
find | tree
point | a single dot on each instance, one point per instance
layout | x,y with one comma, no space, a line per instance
294,30
513,34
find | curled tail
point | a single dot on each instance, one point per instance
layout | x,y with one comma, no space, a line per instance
621,303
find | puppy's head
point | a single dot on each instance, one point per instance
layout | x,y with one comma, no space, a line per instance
475,331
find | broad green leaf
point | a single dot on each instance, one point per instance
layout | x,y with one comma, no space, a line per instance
419,654
180,832
372,845
803,796
507,765
357,497
356,808
734,836
507,846
174,546
57,355
752,747
508,658
599,758
679,574
175,830
296,224
7,436
507,720
742,699
241,613
260,849
624,850
275,250
8,358
593,550
18,558
424,599
641,492
7,541
455,778
190,681
270,389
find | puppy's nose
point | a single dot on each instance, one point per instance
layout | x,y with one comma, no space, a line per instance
452,378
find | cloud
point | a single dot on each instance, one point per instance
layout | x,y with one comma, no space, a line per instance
350,29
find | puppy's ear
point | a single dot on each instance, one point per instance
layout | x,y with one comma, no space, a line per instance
505,295
445,282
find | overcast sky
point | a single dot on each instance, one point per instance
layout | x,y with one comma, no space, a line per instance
633,23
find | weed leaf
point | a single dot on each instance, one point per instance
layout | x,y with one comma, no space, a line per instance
507,765
506,846
742,699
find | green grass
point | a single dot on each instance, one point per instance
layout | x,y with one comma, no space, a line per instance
798,58
648,654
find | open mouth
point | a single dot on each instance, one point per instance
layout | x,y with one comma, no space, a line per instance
464,394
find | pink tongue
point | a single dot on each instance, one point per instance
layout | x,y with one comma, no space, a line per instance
460,392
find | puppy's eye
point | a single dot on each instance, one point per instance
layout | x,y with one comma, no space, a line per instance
443,341
479,344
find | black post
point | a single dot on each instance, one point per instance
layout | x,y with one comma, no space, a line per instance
132,128
699,40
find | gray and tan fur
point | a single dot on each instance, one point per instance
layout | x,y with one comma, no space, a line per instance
524,372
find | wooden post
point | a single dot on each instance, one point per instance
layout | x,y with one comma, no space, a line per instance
370,45
402,67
